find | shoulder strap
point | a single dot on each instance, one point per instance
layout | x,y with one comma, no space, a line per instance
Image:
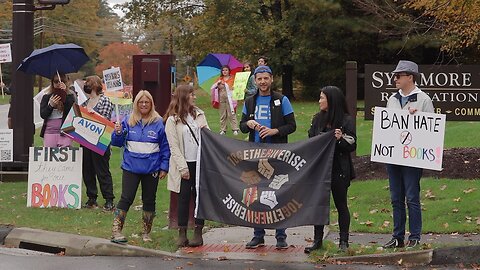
193,134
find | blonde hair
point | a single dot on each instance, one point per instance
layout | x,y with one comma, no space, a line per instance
136,116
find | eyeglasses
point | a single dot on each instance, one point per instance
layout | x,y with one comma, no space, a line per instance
397,76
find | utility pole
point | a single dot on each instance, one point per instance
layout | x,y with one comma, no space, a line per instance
22,94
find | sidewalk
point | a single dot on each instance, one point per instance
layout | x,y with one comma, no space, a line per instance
229,243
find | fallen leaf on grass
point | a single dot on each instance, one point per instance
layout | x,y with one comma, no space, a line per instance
400,262
385,224
478,220
443,187
455,210
429,194
367,223
457,199
352,198
470,190
385,210
373,211
355,215
445,225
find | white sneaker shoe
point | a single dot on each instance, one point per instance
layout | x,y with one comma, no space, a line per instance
222,132
235,133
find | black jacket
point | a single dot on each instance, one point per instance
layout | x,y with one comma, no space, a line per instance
285,124
46,110
342,161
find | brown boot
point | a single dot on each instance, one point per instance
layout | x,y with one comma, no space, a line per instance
147,225
118,221
182,237
197,237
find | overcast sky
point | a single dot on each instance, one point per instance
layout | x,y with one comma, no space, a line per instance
114,2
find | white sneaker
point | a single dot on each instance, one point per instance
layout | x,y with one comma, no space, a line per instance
235,133
222,132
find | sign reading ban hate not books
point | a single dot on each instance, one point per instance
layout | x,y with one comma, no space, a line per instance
414,140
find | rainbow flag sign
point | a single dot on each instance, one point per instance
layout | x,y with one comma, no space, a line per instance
89,129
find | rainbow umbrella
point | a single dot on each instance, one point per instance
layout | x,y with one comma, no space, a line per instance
209,70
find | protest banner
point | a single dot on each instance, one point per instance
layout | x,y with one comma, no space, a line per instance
5,57
89,129
6,145
264,185
113,79
239,85
402,138
55,177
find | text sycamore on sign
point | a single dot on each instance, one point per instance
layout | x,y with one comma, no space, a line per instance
264,185
454,90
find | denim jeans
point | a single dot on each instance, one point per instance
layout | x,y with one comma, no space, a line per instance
260,233
405,183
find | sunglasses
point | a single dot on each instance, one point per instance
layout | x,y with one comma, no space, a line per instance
397,76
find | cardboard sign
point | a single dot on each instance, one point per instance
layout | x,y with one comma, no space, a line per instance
6,145
5,53
414,140
89,129
55,177
113,79
239,85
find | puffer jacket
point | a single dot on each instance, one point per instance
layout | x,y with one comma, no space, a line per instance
146,147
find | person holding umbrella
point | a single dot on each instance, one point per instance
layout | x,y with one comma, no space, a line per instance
54,108
222,92
96,166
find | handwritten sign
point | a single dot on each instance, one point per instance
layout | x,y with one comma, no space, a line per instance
6,145
113,79
414,140
55,177
5,53
239,85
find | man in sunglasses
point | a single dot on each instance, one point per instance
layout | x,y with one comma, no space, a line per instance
268,118
404,181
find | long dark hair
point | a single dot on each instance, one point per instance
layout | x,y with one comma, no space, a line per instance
179,105
337,108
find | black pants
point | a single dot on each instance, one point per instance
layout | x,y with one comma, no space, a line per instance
130,182
96,167
339,193
187,191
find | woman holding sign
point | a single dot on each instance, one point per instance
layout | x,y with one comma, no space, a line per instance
54,108
96,166
183,124
333,116
145,160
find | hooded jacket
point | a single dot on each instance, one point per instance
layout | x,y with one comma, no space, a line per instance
146,147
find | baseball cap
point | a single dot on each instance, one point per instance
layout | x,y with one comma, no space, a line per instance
262,69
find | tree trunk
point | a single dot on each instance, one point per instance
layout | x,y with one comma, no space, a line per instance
287,81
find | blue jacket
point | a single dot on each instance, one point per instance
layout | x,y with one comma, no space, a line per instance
146,147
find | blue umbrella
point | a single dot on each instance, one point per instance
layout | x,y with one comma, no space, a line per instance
61,58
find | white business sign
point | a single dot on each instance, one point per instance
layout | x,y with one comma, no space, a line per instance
5,53
6,145
414,140
55,177
113,79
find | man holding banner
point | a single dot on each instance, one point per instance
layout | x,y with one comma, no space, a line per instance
404,181
268,117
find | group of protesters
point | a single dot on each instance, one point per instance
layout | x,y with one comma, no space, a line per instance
155,147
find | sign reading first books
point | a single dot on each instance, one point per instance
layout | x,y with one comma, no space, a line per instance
414,140
55,177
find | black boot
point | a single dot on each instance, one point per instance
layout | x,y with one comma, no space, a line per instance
317,239
343,245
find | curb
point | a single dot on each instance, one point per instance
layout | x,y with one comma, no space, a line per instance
412,258
74,245
4,231
455,255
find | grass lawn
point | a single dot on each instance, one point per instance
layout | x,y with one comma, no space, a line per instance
449,205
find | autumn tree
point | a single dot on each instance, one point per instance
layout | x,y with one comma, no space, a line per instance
118,55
